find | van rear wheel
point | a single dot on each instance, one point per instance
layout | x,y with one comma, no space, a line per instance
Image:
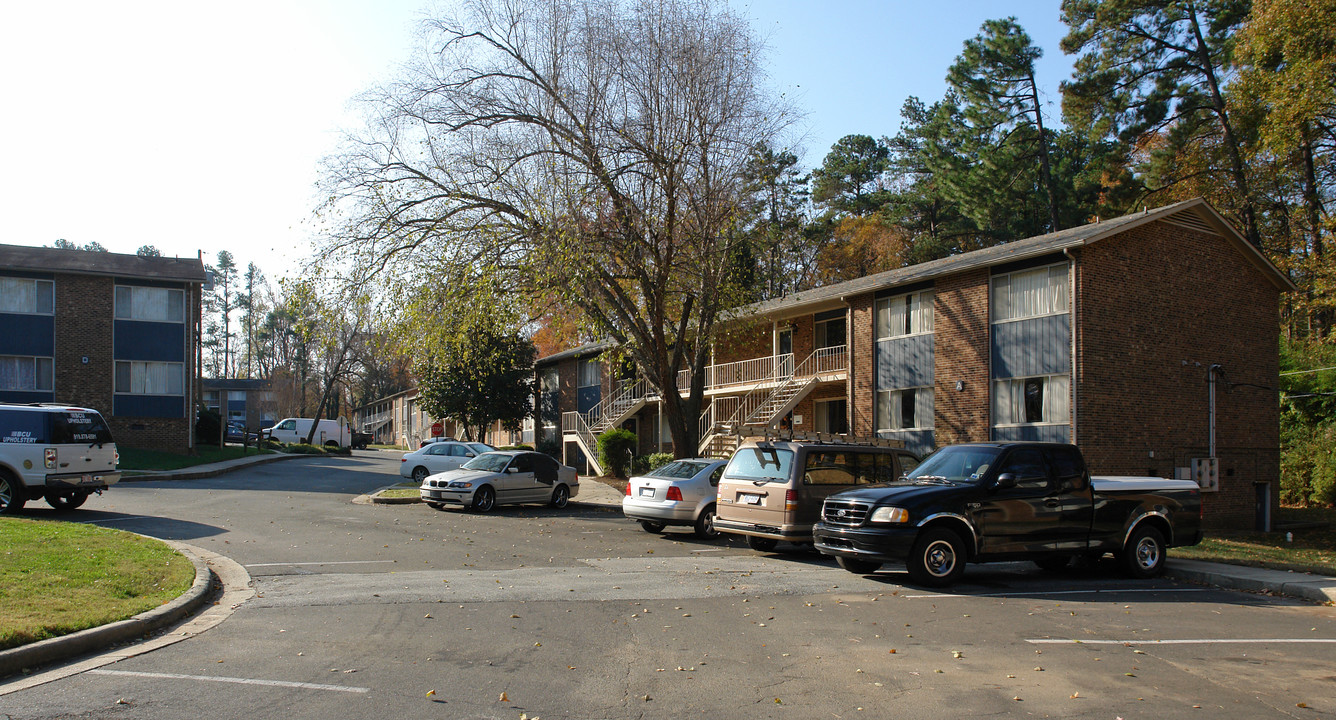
66,499
12,495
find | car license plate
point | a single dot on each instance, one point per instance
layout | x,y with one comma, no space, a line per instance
646,492
86,479
749,499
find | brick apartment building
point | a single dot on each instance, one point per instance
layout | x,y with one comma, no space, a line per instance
1119,336
116,333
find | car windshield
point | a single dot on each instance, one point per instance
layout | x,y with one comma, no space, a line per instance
960,463
490,462
678,470
760,463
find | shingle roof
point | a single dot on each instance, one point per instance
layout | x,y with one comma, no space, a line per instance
1196,213
87,262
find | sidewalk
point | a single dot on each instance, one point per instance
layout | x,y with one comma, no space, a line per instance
207,470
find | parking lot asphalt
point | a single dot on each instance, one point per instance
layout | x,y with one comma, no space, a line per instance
1314,588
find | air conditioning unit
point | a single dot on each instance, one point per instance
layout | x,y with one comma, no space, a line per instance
1206,471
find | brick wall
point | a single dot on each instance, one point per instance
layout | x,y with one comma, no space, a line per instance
1157,306
960,316
84,308
862,365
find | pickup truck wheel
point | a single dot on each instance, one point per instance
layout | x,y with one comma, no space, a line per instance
484,499
858,567
419,474
1145,552
1054,563
650,526
705,524
760,544
12,495
63,500
561,497
938,558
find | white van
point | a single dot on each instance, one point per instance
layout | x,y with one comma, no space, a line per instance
61,453
295,430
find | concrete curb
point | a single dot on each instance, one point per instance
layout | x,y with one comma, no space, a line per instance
94,639
189,474
374,498
1272,582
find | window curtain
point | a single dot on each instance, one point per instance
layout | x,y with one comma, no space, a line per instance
152,304
17,373
1030,293
888,410
923,408
18,295
921,318
1009,400
588,373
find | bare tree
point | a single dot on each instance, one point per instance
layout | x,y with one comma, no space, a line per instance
596,149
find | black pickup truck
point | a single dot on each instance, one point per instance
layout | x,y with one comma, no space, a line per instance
988,502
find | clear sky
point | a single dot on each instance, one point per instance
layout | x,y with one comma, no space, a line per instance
199,126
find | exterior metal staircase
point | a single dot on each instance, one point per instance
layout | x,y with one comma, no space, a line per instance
762,407
586,427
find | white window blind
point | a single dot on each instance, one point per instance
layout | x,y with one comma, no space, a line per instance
905,315
149,378
1021,401
152,304
588,371
27,296
18,372
1030,293
908,409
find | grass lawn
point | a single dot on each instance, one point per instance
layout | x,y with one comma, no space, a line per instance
139,459
1313,549
400,492
57,578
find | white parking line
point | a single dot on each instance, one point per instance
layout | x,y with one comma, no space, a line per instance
237,681
1046,593
1199,641
708,550
336,562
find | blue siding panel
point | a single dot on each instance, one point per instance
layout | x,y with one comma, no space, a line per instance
236,406
919,442
27,335
587,397
27,396
1037,346
149,406
1033,433
905,362
149,341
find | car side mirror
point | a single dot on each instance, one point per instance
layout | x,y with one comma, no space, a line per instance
469,455
1005,480
512,471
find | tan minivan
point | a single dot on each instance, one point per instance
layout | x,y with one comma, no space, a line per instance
772,490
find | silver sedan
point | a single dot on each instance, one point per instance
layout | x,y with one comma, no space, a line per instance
500,478
679,493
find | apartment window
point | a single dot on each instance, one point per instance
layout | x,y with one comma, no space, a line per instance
149,378
18,372
905,409
588,373
901,315
831,333
211,399
147,303
832,416
27,296
1030,293
1032,400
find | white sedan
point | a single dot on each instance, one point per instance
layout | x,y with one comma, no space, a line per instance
503,477
679,493
438,457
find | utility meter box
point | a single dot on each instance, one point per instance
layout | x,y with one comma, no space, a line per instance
1206,471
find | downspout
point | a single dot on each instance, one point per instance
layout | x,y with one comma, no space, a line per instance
1075,323
1211,372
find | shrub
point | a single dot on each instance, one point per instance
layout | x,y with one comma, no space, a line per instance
654,461
303,449
520,446
207,425
616,447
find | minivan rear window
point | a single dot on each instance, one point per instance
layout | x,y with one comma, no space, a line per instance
848,467
77,426
760,463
